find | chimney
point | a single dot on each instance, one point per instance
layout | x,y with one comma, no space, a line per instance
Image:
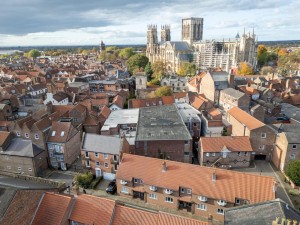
214,176
164,167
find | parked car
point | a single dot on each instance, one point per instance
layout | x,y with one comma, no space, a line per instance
112,187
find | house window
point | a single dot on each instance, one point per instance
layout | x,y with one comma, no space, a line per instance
224,154
169,199
87,155
29,169
263,135
106,165
18,133
189,191
213,154
292,156
207,154
153,196
97,164
105,156
182,190
202,207
26,135
53,133
261,147
36,136
239,153
62,133
237,201
220,211
96,154
246,153
87,163
74,223
186,154
19,168
186,142
115,158
124,190
295,146
116,167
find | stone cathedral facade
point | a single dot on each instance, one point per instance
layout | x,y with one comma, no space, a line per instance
225,54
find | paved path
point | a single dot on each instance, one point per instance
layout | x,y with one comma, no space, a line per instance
264,168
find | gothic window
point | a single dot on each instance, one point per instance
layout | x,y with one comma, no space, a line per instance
141,82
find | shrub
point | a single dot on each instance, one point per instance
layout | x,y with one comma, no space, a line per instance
85,179
294,192
293,171
95,182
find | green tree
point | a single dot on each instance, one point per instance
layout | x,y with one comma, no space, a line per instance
245,69
33,53
163,91
187,69
126,53
137,61
85,52
4,56
293,171
148,71
159,70
85,179
111,48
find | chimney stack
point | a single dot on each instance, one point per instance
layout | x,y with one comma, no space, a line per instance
214,176
164,167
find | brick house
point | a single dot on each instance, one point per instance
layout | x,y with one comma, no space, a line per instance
100,154
5,112
203,191
161,133
63,144
225,152
262,136
21,156
287,145
230,97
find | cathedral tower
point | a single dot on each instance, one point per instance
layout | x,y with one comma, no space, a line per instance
152,42
102,46
165,33
192,30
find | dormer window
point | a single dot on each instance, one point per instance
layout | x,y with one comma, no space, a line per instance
263,135
168,191
36,136
62,133
222,202
18,133
202,198
295,146
53,133
26,135
153,188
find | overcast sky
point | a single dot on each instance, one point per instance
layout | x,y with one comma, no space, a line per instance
86,22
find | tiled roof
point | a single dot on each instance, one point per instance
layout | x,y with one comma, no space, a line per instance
50,212
94,210
214,112
169,219
179,95
105,112
129,216
197,103
119,101
3,136
232,143
60,96
168,100
228,185
61,132
90,121
249,121
22,207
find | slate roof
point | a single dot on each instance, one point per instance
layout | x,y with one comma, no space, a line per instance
228,186
260,214
101,144
180,46
232,92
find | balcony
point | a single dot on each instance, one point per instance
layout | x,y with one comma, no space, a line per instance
123,182
153,188
168,191
222,203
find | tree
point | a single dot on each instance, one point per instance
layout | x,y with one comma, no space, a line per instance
85,52
187,69
260,50
293,171
137,61
148,71
85,179
33,53
267,69
111,48
245,69
106,56
159,70
282,52
126,53
163,91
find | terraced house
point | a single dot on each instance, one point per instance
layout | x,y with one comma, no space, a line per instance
204,191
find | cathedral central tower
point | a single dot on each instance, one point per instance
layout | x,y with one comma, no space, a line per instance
192,30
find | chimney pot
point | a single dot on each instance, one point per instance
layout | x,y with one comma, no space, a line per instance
164,167
214,176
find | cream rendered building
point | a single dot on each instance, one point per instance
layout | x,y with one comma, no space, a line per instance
205,54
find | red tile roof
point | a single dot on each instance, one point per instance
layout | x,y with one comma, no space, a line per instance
61,132
232,143
249,121
169,219
50,212
168,100
228,185
94,210
129,216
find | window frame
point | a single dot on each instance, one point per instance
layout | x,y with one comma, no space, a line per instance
220,211
263,135
153,196
204,208
169,199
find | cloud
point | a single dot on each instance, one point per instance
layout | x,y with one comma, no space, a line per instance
125,20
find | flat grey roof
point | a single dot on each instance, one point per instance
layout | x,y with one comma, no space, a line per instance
161,123
233,92
123,116
101,143
77,84
186,112
21,147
